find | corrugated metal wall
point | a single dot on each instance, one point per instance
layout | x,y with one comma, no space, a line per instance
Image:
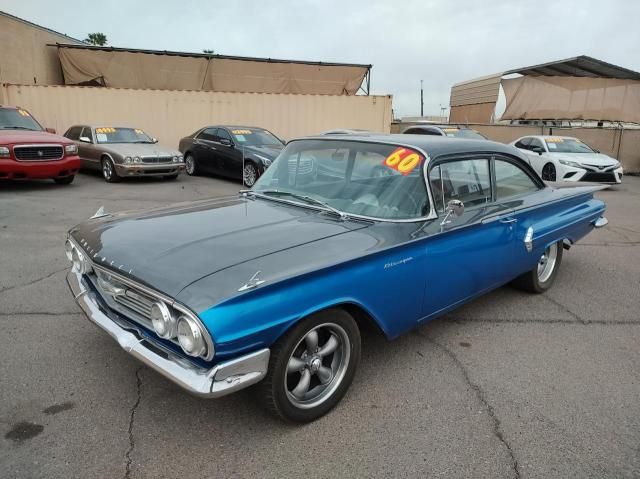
170,115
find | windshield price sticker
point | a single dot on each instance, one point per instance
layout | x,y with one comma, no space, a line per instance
403,160
105,130
24,112
139,132
450,130
241,132
554,140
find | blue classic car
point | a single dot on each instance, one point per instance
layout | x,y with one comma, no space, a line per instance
271,287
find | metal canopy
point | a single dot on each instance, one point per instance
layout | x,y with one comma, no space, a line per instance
582,66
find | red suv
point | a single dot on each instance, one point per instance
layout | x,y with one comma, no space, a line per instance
27,151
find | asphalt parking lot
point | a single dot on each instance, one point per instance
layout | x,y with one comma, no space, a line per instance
511,385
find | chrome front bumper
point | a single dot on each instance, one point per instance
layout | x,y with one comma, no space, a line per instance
149,169
222,379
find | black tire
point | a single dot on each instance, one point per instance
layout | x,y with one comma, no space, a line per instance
274,389
170,177
250,174
190,165
549,172
64,181
109,172
532,282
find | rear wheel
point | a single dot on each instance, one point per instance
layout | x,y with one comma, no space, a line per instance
549,172
312,366
109,171
541,277
64,181
190,165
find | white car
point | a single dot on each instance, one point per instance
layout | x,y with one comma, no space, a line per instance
563,158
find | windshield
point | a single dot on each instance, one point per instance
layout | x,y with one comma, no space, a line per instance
567,145
17,119
463,133
254,137
365,179
109,134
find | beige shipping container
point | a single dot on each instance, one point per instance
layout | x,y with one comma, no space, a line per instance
171,114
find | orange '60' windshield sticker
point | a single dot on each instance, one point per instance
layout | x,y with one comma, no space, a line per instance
403,160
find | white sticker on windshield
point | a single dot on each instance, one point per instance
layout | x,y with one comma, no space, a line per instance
450,134
552,146
102,137
240,138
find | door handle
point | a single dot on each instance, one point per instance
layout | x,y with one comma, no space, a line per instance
507,221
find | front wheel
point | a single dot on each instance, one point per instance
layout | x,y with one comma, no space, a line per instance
541,277
549,172
250,174
312,366
190,165
109,171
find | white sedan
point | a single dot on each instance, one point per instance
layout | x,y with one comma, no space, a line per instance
563,158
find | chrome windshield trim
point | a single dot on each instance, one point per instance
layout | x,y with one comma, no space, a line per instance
432,213
157,295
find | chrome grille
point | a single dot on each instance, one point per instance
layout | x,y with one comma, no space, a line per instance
157,159
135,301
38,152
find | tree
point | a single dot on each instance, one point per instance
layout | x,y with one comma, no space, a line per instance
96,39
208,52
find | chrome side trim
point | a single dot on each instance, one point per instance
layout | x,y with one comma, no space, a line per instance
528,239
224,378
600,222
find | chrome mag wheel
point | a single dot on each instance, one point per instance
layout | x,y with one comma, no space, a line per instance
317,365
547,263
250,174
107,170
190,166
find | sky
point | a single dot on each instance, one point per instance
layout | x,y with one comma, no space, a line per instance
440,42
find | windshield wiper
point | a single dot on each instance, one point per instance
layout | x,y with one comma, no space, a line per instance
16,127
308,199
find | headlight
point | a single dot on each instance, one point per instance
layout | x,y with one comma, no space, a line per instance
4,152
136,159
190,337
265,161
80,263
127,159
71,149
68,249
175,159
616,164
570,163
180,159
164,324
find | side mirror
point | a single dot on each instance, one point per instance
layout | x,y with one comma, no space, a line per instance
154,140
538,149
225,142
50,130
454,207
84,139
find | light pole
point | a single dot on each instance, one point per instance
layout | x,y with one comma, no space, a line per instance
421,100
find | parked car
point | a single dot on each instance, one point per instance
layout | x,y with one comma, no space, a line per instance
123,152
239,152
563,158
272,286
451,131
346,131
28,151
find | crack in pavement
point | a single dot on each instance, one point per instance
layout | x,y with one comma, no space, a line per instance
482,397
9,288
564,308
544,321
132,417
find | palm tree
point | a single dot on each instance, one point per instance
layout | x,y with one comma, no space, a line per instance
96,39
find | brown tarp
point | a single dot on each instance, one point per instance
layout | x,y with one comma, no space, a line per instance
123,69
476,113
574,98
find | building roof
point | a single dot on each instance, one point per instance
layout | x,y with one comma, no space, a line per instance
581,66
35,25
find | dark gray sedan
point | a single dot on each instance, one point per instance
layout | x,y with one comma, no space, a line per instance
121,152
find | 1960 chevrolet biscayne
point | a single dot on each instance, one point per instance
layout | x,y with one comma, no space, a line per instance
271,286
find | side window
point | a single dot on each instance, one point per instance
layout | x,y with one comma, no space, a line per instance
86,131
536,143
464,180
208,134
73,133
224,135
523,143
511,180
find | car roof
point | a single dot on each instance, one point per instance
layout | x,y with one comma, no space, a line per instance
433,146
543,137
239,127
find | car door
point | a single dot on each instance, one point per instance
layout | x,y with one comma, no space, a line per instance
468,254
204,151
231,156
89,152
536,154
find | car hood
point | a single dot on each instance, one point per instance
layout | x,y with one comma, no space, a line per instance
137,149
24,136
170,248
596,159
268,151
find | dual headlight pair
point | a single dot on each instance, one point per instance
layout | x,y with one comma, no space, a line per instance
71,149
137,159
188,332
